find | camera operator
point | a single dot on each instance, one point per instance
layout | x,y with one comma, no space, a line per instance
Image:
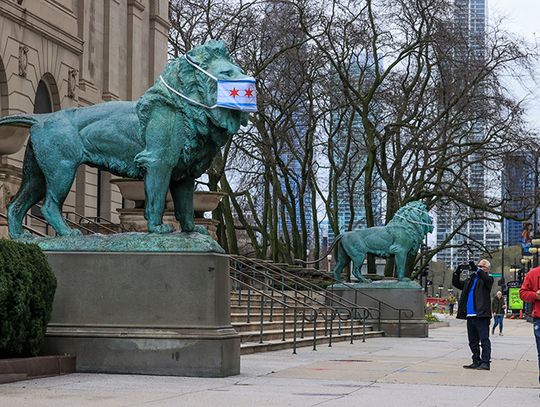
475,306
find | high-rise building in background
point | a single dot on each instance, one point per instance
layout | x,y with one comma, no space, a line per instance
470,16
518,191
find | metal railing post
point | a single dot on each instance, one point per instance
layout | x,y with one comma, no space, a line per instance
294,332
261,322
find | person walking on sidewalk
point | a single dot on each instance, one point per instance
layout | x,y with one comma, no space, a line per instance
451,303
475,306
530,292
498,308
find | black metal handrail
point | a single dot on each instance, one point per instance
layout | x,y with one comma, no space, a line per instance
300,309
306,284
402,313
31,230
327,313
100,220
88,220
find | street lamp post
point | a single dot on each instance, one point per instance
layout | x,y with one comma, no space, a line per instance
329,257
514,269
535,249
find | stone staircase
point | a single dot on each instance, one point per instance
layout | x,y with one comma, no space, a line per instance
278,327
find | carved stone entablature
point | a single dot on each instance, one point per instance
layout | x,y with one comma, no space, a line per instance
72,83
137,4
23,60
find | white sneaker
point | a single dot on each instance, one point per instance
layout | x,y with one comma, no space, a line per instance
501,334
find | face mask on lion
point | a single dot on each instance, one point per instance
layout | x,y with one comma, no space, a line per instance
163,138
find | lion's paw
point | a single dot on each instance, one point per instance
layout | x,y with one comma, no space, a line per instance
161,229
201,229
75,232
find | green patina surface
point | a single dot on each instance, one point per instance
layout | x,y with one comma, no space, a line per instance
412,285
400,238
129,242
160,138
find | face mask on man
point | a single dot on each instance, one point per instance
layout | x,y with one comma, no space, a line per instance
235,94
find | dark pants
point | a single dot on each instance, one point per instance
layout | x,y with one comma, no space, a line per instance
478,332
536,326
451,309
498,319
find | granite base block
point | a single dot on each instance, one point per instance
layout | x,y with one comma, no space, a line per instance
144,313
409,297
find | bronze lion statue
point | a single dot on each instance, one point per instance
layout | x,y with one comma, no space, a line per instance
400,238
161,138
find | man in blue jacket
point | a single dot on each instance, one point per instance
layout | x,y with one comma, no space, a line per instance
475,306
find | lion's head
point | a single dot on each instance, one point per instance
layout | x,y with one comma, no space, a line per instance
182,76
415,216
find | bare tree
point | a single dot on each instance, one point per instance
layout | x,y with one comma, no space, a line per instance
387,98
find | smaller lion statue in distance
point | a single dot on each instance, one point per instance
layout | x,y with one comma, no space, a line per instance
164,138
401,238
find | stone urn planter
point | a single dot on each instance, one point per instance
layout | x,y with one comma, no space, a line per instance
133,219
12,139
206,201
133,190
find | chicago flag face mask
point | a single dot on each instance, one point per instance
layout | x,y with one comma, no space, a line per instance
236,94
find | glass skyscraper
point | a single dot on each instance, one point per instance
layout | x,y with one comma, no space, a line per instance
470,15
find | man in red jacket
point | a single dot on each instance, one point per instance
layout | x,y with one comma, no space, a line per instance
530,292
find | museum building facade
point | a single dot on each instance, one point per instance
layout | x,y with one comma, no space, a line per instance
57,54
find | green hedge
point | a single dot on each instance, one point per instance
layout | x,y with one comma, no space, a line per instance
27,286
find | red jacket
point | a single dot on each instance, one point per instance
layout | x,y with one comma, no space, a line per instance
528,290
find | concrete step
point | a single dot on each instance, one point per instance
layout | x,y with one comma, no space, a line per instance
254,347
244,297
254,326
240,315
256,308
277,334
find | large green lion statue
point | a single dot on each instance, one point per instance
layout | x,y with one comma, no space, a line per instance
401,237
163,138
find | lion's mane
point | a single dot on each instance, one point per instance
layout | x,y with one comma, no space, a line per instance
210,128
413,218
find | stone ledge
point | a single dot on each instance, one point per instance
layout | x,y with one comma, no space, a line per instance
178,242
16,369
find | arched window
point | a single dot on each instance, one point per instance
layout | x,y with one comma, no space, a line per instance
4,108
43,102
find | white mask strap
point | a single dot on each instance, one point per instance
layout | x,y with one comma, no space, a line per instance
199,68
184,96
413,221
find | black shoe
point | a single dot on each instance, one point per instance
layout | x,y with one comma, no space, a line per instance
483,366
473,365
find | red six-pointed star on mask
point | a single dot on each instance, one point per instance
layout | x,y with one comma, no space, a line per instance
234,92
249,93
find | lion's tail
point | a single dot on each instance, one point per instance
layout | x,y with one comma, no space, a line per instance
23,120
336,240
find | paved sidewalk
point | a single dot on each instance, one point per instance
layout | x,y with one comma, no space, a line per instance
381,372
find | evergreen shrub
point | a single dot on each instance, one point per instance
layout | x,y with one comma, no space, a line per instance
27,287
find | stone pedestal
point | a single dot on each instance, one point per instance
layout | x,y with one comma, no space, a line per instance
404,295
144,313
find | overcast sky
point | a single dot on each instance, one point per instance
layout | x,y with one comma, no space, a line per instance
523,18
